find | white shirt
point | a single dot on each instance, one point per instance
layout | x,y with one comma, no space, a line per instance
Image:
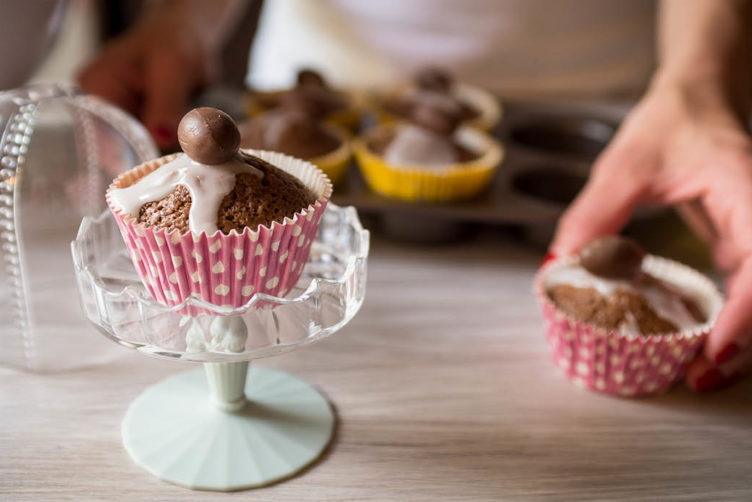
514,47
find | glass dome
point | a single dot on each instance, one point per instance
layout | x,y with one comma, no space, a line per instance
59,150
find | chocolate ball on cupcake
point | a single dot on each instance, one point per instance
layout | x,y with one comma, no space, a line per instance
624,322
218,223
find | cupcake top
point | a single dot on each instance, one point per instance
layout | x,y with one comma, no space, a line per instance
294,128
605,285
429,83
427,139
213,185
311,88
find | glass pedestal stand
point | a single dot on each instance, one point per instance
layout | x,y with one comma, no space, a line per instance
215,429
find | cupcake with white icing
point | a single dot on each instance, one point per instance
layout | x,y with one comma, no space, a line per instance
623,322
478,108
218,223
429,157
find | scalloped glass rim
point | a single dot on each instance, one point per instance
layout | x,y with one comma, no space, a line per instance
139,295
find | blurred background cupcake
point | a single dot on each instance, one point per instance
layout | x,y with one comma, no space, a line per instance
338,107
428,156
297,127
478,108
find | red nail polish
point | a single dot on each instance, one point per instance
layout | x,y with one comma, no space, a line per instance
709,380
162,133
728,353
549,257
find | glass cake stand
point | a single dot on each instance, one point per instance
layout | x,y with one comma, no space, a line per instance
213,429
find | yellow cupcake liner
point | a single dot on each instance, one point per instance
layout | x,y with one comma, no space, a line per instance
335,164
432,184
488,105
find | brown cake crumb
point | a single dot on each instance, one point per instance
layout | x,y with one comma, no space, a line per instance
254,201
588,305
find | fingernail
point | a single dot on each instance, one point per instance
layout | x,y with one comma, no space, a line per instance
162,133
549,257
727,354
709,380
714,380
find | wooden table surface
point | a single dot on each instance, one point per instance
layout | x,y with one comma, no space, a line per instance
444,390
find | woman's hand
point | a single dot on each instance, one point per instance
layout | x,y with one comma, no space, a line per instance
685,146
153,69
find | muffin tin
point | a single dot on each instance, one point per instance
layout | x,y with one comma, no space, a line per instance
548,151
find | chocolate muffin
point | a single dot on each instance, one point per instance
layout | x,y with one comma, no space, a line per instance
232,189
428,137
431,83
252,202
311,87
292,133
607,287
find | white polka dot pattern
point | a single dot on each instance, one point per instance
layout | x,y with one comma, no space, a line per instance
617,364
225,269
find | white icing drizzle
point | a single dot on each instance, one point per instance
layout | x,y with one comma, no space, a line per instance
664,302
416,146
208,185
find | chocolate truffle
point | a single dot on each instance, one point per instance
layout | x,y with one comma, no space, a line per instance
434,79
310,78
613,257
208,136
439,116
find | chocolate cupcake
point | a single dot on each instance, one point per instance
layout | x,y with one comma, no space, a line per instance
217,223
335,106
624,322
477,107
295,129
428,157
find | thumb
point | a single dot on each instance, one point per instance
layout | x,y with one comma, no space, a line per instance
169,84
604,206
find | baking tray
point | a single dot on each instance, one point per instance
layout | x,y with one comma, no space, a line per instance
549,147
548,150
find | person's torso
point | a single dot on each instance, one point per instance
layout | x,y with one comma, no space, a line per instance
515,47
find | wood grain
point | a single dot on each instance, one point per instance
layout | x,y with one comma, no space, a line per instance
444,391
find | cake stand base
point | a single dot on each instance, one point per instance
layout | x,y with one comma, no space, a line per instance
174,431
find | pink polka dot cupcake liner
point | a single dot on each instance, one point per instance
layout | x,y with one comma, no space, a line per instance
225,270
619,364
